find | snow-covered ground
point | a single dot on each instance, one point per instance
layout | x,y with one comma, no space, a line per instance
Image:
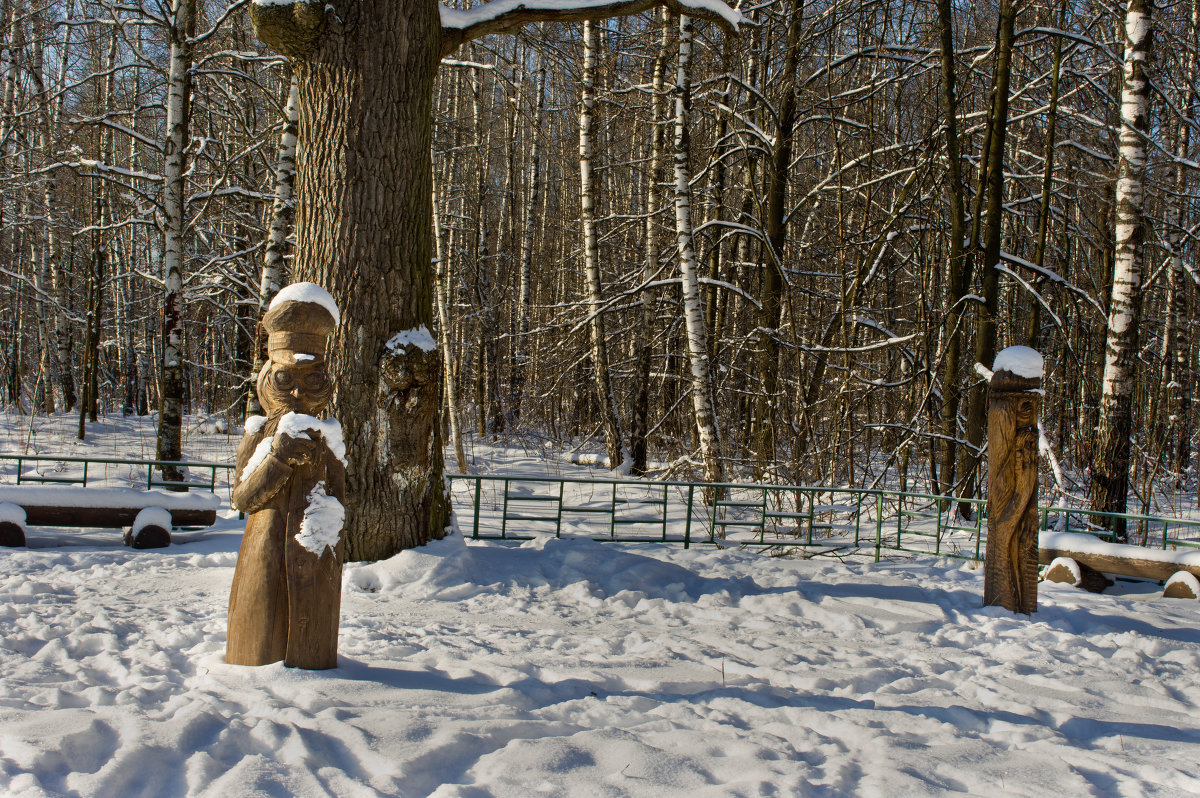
568,667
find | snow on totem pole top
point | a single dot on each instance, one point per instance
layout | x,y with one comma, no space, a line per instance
1021,361
298,323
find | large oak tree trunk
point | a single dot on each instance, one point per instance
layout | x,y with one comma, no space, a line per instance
363,224
365,71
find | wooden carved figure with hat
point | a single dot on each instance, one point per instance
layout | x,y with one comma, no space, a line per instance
290,481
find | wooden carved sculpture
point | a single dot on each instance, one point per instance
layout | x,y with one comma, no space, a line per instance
1011,565
290,480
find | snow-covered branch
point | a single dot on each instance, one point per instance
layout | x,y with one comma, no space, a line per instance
504,16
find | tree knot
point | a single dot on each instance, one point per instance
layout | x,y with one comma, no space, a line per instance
289,28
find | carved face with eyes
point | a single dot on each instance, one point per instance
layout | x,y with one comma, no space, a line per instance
302,387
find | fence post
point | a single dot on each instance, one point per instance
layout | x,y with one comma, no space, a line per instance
478,490
878,524
1011,560
687,526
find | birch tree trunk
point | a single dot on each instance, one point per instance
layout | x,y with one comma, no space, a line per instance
1110,465
282,213
605,402
693,308
174,209
442,298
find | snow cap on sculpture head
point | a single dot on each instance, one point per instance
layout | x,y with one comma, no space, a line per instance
299,322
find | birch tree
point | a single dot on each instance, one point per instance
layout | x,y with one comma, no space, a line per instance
605,399
693,309
282,212
1110,466
174,210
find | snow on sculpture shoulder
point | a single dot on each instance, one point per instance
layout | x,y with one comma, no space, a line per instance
297,424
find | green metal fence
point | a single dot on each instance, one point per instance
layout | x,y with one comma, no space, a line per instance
828,519
1143,530
78,470
819,519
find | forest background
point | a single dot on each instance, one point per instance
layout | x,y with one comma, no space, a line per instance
880,196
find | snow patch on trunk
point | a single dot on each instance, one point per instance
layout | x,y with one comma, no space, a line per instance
419,337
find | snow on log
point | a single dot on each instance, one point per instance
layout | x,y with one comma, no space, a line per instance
1182,585
60,505
12,525
151,529
1067,570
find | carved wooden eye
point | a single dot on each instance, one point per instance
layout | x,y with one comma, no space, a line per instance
284,379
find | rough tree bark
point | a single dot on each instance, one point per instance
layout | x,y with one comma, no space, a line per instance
1110,463
366,71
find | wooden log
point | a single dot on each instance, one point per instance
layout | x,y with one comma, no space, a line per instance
109,517
1072,572
151,536
11,534
1010,565
1181,586
1122,565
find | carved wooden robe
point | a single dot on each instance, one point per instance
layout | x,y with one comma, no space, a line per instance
285,601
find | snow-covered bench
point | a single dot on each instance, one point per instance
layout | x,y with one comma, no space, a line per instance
1072,555
149,514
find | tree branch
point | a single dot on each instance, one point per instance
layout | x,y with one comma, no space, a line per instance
505,16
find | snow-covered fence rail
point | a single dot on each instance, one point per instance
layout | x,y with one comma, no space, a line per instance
817,519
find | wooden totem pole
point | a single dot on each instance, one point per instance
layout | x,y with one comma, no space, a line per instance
290,480
1011,565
